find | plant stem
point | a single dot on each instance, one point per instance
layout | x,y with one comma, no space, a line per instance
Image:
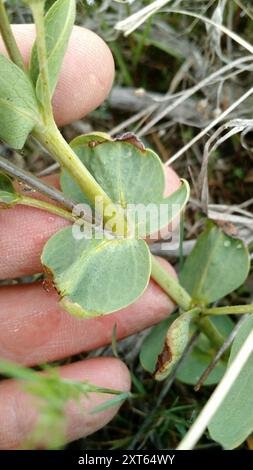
49,135
233,310
35,183
37,8
55,143
218,396
208,328
170,285
46,206
9,39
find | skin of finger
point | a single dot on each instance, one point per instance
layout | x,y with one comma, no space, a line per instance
86,75
19,410
25,231
172,183
35,330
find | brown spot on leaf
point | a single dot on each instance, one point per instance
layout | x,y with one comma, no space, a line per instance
131,138
48,283
93,143
164,358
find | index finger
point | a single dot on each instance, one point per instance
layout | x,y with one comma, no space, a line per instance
86,75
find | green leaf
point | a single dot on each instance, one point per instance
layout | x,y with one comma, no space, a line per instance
156,217
217,265
176,340
202,354
82,146
59,22
233,422
96,277
8,195
121,168
132,176
18,106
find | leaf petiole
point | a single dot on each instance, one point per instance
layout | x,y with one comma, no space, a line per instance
47,206
170,285
231,310
208,328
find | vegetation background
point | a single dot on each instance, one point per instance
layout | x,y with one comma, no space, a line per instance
156,65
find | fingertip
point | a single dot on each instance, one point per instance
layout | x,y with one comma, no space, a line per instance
19,409
86,77
86,74
108,372
172,181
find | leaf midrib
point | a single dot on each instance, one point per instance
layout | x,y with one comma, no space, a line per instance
18,109
66,25
209,258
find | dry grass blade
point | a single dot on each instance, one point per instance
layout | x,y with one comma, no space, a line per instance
134,21
193,90
231,128
210,126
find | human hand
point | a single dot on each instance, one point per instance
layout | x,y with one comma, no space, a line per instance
34,328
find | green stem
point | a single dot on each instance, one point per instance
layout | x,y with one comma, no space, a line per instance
9,39
50,137
37,7
46,206
208,328
54,142
170,285
233,310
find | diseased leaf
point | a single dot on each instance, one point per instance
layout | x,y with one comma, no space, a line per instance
202,354
96,277
217,265
18,106
233,421
131,176
59,22
153,344
196,361
175,343
8,195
